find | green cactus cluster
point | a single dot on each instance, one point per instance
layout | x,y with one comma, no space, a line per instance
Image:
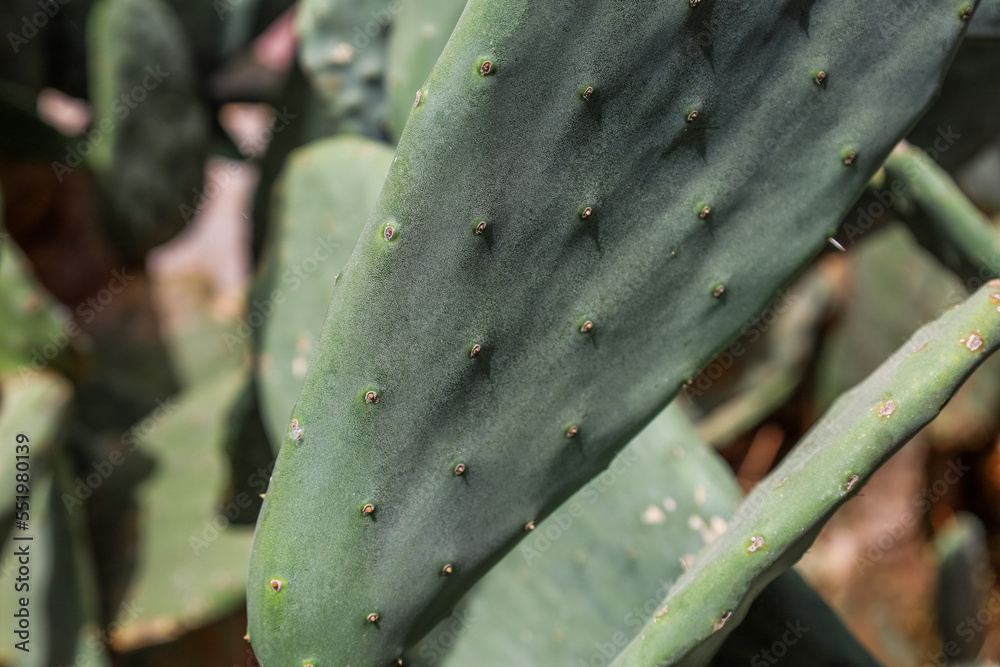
506,380
423,366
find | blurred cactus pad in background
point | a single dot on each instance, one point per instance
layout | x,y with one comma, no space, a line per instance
361,333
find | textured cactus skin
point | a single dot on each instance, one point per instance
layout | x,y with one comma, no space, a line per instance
942,219
424,29
830,464
149,162
611,548
590,573
322,203
523,150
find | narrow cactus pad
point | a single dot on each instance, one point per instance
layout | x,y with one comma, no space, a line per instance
942,218
593,201
780,519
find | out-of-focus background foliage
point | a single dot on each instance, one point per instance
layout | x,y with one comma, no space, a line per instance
141,194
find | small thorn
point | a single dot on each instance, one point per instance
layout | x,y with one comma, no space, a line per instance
481,228
447,569
372,617
694,3
276,585
486,68
703,213
476,349
585,213
756,542
851,482
261,495
587,93
691,117
528,527
246,637
820,78
371,397
416,102
966,13
460,469
572,431
389,232
368,510
587,327
719,290
836,244
849,158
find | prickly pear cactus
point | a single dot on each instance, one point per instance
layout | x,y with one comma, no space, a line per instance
413,50
322,203
779,520
572,228
150,129
583,583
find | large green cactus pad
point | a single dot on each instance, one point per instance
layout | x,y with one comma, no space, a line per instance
589,201
150,129
780,519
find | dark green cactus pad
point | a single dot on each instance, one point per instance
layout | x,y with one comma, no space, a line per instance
572,228
964,585
781,517
322,202
150,129
342,50
423,30
986,21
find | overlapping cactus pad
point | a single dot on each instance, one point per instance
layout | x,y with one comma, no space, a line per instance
588,202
